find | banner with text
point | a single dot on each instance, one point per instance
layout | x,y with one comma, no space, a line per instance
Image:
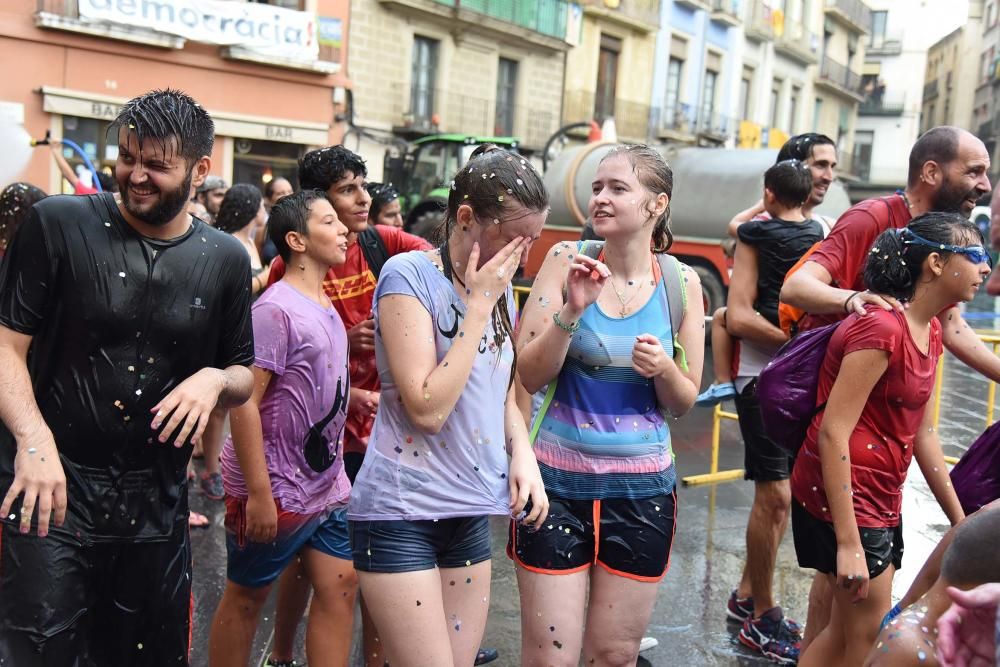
265,29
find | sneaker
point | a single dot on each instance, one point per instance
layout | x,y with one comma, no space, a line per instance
647,643
739,609
211,486
769,636
486,655
715,394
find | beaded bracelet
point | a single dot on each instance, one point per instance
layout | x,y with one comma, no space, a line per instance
568,328
847,301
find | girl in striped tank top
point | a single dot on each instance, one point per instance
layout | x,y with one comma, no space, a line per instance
600,330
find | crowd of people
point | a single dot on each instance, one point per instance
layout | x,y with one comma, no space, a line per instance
385,398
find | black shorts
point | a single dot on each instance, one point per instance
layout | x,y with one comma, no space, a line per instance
65,602
411,546
763,460
630,538
816,544
352,464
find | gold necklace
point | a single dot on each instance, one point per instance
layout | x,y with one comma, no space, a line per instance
623,310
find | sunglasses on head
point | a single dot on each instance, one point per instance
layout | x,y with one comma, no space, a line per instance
976,254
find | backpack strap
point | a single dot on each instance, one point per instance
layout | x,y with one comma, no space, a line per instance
374,250
672,271
542,409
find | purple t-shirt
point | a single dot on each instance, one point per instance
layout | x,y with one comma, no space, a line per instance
462,470
305,405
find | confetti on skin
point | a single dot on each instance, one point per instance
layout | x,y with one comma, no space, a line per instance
557,644
418,603
921,656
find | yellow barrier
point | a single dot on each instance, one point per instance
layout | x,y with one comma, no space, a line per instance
714,475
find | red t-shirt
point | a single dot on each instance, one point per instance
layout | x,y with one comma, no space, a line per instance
351,287
844,251
881,445
82,189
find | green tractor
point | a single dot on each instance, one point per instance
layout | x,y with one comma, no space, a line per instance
423,172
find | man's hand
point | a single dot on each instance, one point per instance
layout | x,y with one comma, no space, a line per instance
189,405
362,336
966,631
363,402
38,474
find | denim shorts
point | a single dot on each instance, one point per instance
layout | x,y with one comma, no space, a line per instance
410,546
252,564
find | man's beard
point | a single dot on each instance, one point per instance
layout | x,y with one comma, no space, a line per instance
168,206
951,198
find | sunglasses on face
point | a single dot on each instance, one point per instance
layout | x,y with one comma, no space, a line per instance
976,254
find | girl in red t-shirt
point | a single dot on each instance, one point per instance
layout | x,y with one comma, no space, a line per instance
875,381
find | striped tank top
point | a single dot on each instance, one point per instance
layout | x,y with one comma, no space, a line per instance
604,435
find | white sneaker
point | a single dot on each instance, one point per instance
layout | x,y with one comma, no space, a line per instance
648,643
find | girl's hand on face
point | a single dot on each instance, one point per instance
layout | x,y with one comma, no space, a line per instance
584,282
486,284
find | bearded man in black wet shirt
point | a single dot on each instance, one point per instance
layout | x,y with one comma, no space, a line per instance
122,325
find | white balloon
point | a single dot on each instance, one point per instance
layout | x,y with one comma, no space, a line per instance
15,152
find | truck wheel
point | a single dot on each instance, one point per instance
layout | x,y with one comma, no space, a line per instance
713,293
429,225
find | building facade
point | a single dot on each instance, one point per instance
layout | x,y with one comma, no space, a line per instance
609,73
892,83
986,110
953,74
844,25
473,67
272,76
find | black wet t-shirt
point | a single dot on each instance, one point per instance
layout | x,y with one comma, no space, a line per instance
118,320
779,244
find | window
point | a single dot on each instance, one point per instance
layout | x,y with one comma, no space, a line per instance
989,15
607,77
775,99
708,97
92,135
257,161
877,36
671,107
863,140
817,113
793,110
744,101
506,95
930,118
423,78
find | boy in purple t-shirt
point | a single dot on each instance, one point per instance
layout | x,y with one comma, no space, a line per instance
283,472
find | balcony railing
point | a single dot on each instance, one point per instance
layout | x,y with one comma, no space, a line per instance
432,110
798,43
876,104
836,74
930,90
727,11
884,45
759,25
716,125
631,118
855,12
547,17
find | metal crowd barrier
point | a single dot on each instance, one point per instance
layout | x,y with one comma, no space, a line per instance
715,475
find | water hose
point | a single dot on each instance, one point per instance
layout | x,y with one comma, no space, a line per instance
72,144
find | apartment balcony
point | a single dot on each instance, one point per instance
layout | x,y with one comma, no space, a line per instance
437,110
642,15
759,22
705,5
884,45
678,123
541,22
631,118
854,14
715,128
878,104
839,79
726,12
930,90
798,44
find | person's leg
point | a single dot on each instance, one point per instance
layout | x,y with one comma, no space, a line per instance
617,615
722,348
829,643
293,596
465,592
374,652
765,528
820,608
331,615
234,625
211,479
552,617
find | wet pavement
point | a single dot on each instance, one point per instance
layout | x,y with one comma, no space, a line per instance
689,620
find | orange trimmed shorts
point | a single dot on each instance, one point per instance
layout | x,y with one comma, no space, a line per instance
628,537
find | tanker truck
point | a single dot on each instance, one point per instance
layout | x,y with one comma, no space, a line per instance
711,185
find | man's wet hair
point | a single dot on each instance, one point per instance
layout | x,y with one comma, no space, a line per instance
973,558
165,115
938,144
800,147
291,214
319,169
238,208
790,181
